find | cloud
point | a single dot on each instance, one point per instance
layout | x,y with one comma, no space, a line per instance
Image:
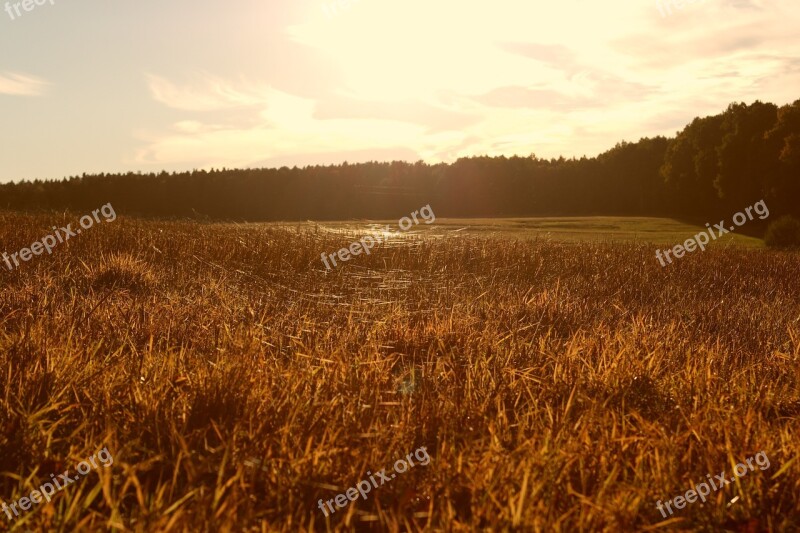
436,116
553,54
282,127
16,84
584,89
213,94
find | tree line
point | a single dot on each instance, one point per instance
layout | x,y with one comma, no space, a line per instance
715,165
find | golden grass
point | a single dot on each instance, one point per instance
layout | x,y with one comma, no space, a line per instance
556,387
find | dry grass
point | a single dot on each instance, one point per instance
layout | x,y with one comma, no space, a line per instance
557,387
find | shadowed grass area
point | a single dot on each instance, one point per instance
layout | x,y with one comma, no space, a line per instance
556,386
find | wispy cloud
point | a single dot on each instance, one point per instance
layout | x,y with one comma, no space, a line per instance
17,84
205,93
280,126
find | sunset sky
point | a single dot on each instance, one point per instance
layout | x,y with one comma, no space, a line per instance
145,85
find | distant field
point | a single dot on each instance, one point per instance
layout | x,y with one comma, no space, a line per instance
665,231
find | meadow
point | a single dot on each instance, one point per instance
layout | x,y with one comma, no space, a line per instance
558,382
641,230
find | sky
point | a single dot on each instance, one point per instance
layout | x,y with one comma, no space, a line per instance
141,85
